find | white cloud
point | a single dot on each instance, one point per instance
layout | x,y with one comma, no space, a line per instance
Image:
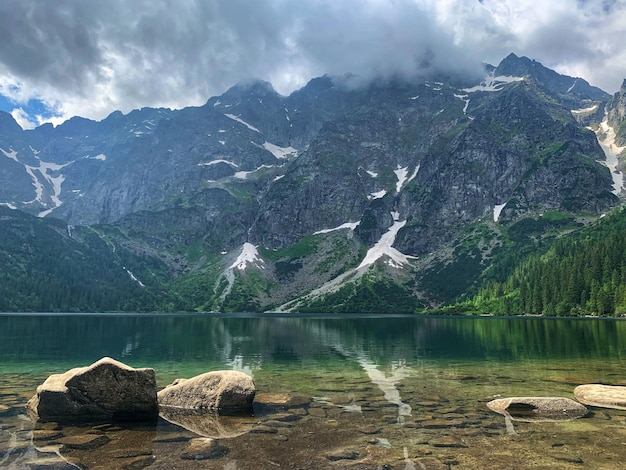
22,118
90,58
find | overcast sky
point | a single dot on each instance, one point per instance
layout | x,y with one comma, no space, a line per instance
64,58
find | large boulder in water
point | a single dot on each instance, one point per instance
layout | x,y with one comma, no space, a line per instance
605,396
538,408
107,390
226,392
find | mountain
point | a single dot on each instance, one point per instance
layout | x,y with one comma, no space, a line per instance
616,115
388,196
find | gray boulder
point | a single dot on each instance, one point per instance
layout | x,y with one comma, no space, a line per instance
107,390
530,409
225,392
605,396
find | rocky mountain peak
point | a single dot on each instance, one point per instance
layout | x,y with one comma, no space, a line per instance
8,125
569,90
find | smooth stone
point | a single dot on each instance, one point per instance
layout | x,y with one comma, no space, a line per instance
604,396
317,412
208,424
224,392
48,463
563,457
84,442
431,463
286,417
278,424
263,429
106,390
130,453
342,454
442,423
530,409
204,448
371,429
46,435
447,441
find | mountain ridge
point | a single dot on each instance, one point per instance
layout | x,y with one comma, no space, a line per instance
341,191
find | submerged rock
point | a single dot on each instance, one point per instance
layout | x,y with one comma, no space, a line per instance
104,391
223,392
204,448
208,424
605,396
530,409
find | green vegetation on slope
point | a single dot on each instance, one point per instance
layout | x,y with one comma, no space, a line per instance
581,274
46,269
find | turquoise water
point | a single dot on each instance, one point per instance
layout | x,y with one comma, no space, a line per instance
333,392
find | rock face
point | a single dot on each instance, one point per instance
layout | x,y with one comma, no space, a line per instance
529,409
319,178
605,396
616,114
223,392
104,391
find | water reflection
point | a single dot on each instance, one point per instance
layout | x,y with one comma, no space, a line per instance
405,392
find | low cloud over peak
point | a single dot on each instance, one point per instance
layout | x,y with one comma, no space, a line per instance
89,58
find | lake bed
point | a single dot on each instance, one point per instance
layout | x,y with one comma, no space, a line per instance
370,392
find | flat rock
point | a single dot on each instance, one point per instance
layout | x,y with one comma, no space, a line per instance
529,409
84,441
342,454
104,391
605,396
447,441
223,392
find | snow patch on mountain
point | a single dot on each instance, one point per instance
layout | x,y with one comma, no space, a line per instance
573,85
606,138
249,256
215,162
491,84
241,121
12,154
377,195
133,277
242,175
280,153
102,157
464,98
384,248
497,210
403,176
591,109
348,225
8,204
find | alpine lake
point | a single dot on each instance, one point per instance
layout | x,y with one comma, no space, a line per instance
333,392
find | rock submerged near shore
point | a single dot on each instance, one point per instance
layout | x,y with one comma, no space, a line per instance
109,390
603,396
530,409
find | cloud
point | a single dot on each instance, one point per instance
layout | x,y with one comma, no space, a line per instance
89,58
